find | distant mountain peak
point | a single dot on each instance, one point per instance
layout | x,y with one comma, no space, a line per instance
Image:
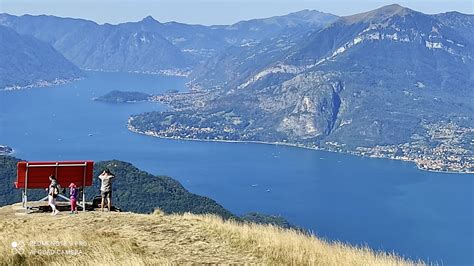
378,15
312,15
149,19
302,17
305,12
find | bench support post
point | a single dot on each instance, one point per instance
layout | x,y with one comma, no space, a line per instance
25,196
84,189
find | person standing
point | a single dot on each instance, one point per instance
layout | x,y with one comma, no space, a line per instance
106,188
73,194
53,192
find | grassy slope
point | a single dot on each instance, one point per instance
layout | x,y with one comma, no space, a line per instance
128,238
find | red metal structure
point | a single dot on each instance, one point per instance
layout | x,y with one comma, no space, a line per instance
35,175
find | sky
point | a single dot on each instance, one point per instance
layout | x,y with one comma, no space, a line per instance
211,12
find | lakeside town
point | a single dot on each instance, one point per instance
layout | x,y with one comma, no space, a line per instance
447,147
444,149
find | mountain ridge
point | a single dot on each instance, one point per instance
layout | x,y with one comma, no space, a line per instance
378,14
160,47
28,62
385,88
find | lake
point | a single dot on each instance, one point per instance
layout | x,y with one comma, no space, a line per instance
384,204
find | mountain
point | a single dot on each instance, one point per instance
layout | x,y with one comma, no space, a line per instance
267,41
119,238
148,45
463,23
389,25
255,30
100,47
27,61
306,17
230,67
391,82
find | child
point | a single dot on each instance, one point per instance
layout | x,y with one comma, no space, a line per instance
73,193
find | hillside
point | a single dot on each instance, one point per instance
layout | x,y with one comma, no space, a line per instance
391,82
149,45
127,238
26,61
100,47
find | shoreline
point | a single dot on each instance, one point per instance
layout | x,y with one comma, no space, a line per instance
58,82
162,72
134,130
41,84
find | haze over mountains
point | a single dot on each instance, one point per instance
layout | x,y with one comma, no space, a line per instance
391,82
148,45
26,60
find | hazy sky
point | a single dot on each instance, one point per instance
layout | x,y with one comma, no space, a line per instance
210,11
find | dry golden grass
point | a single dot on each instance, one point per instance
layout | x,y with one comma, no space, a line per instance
138,239
275,245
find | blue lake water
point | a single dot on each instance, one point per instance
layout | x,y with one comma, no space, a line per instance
384,204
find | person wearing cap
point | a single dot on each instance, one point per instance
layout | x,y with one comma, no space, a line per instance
73,194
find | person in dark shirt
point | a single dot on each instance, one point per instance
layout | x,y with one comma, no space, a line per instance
53,192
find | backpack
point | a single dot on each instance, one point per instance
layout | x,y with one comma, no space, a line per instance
55,190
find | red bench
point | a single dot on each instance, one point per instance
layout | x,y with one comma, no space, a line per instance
35,175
